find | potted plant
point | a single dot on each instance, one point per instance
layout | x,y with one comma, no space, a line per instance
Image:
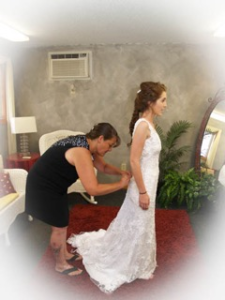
171,154
188,189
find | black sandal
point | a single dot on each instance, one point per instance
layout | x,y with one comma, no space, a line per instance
75,257
68,271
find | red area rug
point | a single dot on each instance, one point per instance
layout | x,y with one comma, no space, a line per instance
178,257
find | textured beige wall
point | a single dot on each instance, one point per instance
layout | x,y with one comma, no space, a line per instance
191,73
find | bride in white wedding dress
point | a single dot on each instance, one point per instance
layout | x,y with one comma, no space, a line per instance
127,249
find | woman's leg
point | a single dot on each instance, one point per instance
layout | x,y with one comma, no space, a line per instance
58,245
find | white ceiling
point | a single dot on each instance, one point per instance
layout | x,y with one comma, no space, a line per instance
85,22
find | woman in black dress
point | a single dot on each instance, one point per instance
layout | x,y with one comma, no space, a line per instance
60,166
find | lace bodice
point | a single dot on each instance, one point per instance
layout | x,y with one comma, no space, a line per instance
149,160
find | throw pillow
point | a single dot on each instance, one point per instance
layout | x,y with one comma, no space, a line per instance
6,186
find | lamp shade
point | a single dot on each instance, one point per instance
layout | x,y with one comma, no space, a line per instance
23,125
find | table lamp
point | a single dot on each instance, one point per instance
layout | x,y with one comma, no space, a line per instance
23,126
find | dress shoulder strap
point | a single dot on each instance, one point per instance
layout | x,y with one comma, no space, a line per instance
141,120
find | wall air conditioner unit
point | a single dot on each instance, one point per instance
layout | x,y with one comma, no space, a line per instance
70,65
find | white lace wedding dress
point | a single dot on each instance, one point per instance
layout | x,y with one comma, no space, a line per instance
127,249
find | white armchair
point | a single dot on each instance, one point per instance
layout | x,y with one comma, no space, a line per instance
47,140
9,213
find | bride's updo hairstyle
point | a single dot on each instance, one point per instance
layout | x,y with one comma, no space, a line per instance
106,130
149,92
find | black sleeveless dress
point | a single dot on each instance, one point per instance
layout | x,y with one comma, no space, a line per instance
48,180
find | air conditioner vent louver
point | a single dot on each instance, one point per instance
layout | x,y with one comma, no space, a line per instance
70,66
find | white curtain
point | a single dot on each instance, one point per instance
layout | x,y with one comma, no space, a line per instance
10,104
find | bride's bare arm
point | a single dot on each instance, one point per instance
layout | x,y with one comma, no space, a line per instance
138,141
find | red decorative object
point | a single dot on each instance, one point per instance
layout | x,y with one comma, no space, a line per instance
17,161
6,186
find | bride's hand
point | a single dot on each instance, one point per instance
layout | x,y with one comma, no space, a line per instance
144,201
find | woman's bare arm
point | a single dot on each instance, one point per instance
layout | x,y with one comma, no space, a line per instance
106,168
81,159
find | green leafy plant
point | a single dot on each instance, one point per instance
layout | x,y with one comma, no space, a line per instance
171,154
188,188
